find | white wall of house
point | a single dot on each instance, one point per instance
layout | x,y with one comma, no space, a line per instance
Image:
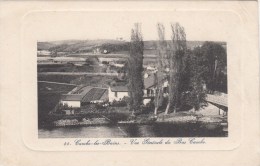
145,92
97,101
116,95
146,101
165,84
75,104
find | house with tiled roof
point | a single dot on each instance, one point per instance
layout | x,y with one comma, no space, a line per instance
119,92
84,95
150,84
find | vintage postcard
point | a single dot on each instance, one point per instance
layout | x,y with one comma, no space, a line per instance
148,76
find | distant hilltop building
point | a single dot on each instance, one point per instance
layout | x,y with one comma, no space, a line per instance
96,51
99,51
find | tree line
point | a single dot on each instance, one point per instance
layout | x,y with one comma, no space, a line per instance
191,73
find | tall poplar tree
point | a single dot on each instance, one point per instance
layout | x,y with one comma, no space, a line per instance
135,69
176,66
162,65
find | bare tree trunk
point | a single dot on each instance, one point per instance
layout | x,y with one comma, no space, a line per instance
155,110
157,104
175,108
167,108
170,84
156,97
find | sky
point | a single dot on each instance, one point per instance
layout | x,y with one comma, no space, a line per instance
52,26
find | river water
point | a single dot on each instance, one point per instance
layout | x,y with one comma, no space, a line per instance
134,130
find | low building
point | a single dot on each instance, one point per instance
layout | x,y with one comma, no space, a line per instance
96,51
80,96
150,86
117,93
71,100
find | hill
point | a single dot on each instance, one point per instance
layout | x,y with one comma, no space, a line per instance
44,45
113,46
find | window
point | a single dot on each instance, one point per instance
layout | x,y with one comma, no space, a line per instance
115,94
165,90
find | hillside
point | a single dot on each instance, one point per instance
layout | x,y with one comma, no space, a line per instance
44,45
113,46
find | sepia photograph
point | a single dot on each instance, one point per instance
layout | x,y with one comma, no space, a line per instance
132,87
129,83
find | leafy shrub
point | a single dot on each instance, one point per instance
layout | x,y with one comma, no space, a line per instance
121,103
149,107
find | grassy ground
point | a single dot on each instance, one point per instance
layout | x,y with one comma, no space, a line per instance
48,97
57,78
66,68
87,80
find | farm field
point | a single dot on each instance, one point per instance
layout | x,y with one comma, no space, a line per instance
89,65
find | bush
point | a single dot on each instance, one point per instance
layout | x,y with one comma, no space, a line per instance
102,106
148,108
121,103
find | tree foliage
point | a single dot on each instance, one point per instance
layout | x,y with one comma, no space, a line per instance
192,73
203,66
176,66
162,64
135,69
192,80
212,56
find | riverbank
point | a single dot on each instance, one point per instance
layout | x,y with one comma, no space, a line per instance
190,117
84,122
172,118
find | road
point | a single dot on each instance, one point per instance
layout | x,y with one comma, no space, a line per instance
99,56
59,83
77,74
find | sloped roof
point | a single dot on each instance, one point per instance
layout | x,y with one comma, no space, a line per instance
71,97
150,81
93,94
84,94
119,89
